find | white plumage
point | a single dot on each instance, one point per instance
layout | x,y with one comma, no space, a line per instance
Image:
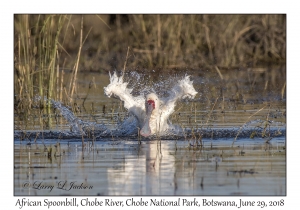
151,113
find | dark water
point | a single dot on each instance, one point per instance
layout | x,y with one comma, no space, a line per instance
243,95
124,167
247,108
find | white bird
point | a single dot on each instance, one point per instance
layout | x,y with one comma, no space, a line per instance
152,114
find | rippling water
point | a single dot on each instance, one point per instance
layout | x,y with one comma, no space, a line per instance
124,167
250,115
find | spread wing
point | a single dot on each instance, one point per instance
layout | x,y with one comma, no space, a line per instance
183,89
135,105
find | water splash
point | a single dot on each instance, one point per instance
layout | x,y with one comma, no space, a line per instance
78,126
156,120
167,90
129,128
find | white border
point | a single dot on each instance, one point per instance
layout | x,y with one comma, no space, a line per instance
153,6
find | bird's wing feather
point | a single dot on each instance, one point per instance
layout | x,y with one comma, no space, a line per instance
183,89
135,105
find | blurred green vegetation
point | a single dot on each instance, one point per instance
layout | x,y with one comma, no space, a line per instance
158,41
48,45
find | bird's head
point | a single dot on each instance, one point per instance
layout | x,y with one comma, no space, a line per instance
152,103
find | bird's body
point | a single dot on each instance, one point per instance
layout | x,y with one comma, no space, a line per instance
152,114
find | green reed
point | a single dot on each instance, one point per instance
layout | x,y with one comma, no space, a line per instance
46,46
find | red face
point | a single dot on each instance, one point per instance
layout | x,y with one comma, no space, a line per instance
151,102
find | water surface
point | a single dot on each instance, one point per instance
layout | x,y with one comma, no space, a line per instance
248,107
125,167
